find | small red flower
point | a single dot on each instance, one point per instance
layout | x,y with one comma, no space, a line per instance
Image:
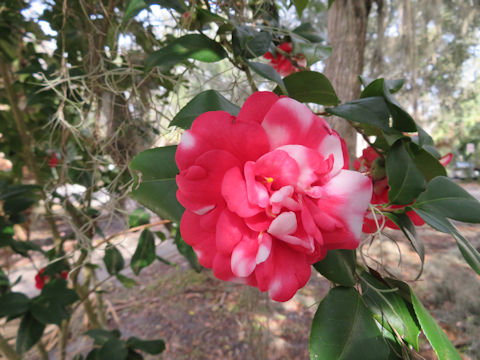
41,280
446,159
282,63
53,160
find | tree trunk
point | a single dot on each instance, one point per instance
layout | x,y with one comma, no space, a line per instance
347,28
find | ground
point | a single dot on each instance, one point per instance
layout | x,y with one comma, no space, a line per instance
200,317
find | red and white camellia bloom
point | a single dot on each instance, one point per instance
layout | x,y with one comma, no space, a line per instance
267,193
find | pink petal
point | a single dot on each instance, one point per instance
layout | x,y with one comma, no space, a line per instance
308,162
229,232
264,247
235,194
446,159
332,145
202,240
283,224
257,105
244,256
279,166
257,193
283,273
347,196
222,268
199,185
287,122
244,140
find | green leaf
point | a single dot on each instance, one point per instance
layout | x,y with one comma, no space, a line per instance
426,162
392,85
138,217
311,51
152,347
249,43
209,100
300,5
402,120
144,253
48,311
126,281
101,336
113,260
408,229
156,188
435,335
187,251
446,198
338,266
191,46
113,349
441,223
133,8
371,111
406,182
308,32
344,328
268,72
390,309
319,89
13,303
57,290
29,333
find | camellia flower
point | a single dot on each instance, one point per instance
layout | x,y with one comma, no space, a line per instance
41,280
282,63
371,163
267,193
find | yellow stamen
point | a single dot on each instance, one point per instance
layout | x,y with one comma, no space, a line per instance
269,180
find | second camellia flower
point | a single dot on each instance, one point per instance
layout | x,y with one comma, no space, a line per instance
268,193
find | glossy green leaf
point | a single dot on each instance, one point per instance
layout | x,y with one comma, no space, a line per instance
144,253
13,303
156,187
319,89
390,309
402,120
446,198
371,111
307,32
268,72
300,5
113,349
426,162
187,251
435,335
191,46
338,266
344,328
209,100
249,43
153,347
126,281
138,217
312,52
101,336
48,311
392,85
406,182
57,290
113,260
441,223
29,333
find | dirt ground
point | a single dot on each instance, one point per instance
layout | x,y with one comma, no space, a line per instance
200,317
